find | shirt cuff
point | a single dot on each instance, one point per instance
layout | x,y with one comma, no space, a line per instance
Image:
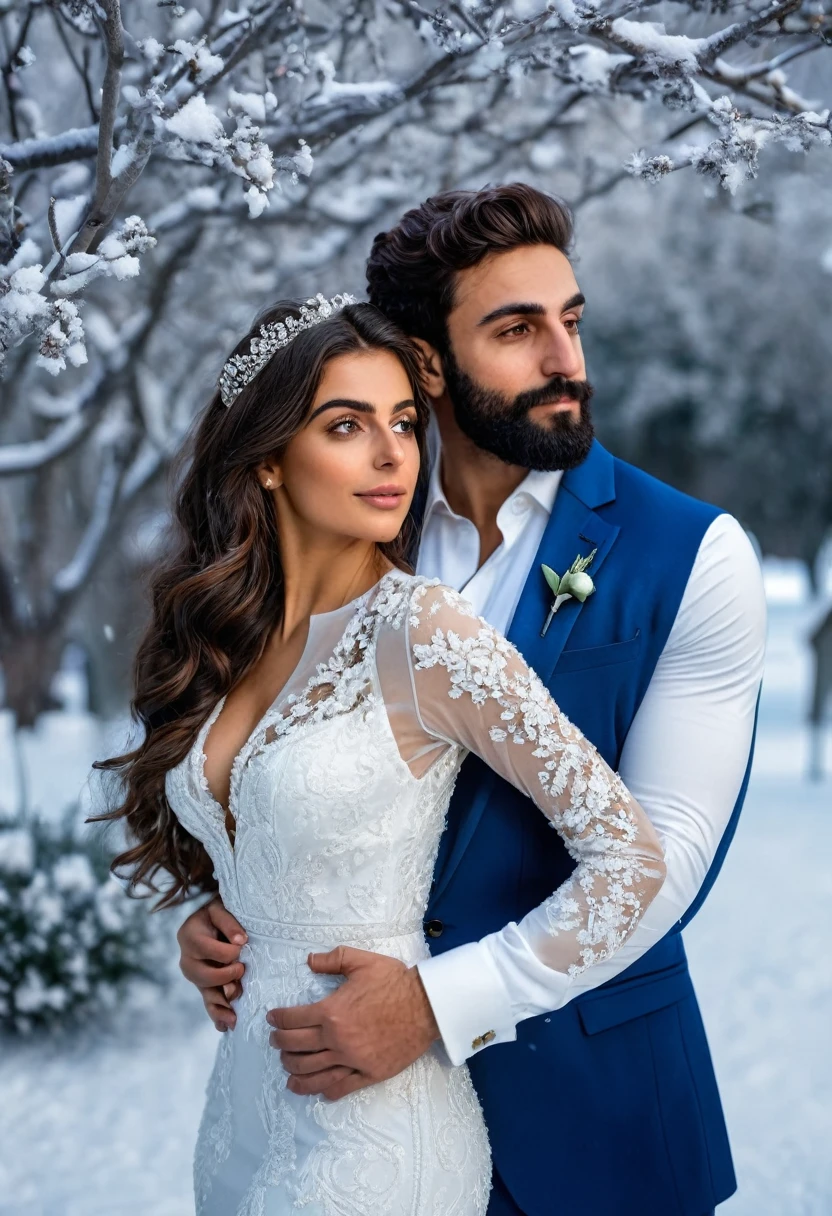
469,1000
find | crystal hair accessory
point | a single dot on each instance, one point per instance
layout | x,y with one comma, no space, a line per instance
240,370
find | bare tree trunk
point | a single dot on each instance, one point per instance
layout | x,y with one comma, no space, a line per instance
821,694
30,662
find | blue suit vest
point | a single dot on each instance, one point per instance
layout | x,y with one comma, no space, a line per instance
609,1106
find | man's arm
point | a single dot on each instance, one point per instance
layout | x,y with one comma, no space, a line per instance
210,941
684,761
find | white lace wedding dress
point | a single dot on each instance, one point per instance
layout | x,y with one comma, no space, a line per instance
339,799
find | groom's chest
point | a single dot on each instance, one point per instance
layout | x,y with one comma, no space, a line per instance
451,550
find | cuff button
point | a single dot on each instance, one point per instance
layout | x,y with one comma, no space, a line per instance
434,928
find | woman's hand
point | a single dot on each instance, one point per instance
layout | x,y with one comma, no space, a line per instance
210,941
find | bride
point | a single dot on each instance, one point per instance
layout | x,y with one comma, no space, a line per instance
307,703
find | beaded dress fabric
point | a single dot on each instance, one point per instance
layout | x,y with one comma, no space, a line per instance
339,799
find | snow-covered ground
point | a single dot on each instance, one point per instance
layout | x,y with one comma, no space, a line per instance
103,1124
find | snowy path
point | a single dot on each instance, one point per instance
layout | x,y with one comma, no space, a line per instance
104,1126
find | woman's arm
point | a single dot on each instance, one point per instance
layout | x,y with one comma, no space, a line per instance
472,687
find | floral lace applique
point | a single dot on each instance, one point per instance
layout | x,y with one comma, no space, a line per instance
619,863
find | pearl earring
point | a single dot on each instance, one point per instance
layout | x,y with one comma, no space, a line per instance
268,483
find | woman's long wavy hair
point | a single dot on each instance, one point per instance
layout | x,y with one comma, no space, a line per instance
219,594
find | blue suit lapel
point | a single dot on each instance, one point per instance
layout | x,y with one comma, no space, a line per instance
574,528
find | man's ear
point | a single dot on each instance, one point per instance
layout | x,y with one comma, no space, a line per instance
433,375
269,475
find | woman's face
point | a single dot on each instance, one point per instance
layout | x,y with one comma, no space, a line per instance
352,470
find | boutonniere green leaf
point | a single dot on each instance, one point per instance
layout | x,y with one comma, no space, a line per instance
575,584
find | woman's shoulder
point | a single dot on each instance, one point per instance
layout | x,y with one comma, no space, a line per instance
416,599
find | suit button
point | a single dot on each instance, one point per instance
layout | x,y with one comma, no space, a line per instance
434,928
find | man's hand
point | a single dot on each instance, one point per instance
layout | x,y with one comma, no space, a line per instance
369,1029
210,941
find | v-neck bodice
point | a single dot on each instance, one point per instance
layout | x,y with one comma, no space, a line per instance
326,629
331,827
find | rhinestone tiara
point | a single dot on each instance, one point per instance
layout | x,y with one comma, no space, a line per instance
240,370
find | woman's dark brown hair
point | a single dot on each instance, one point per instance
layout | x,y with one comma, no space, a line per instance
219,594
411,270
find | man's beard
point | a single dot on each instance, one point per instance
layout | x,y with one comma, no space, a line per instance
503,427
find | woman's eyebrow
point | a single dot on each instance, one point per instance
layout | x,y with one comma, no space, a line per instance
363,407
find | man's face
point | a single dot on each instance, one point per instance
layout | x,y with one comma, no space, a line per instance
515,368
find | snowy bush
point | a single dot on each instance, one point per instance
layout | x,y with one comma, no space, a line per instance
71,938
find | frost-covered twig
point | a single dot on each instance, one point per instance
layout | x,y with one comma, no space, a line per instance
71,577
662,164
717,44
9,67
105,201
35,454
78,143
81,68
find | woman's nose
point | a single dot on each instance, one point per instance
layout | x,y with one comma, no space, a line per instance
390,454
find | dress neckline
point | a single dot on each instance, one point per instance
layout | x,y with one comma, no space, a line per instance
316,622
350,606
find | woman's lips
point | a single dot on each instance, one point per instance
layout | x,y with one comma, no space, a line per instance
387,498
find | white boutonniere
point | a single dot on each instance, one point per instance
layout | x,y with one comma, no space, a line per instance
575,585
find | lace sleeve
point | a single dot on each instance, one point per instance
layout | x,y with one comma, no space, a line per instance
473,688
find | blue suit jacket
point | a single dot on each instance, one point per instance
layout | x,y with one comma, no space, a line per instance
608,1107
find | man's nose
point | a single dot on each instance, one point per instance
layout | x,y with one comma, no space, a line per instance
563,356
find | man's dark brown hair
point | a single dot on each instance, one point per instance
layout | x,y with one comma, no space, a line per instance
412,268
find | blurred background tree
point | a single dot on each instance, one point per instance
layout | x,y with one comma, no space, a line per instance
167,169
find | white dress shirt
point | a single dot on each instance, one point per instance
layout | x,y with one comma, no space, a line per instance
450,545
684,758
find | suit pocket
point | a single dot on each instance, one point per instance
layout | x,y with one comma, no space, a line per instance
599,656
604,1008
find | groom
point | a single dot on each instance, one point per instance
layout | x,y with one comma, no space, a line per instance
598,1089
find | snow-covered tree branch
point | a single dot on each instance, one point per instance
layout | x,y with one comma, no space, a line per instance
165,169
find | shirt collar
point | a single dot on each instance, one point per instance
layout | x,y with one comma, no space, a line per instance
540,486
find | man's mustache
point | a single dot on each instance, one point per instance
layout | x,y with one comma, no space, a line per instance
554,390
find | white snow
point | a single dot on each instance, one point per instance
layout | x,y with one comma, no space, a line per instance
650,37
253,104
103,1124
197,122
304,162
151,48
257,202
16,852
28,278
74,873
593,66
205,63
123,157
568,12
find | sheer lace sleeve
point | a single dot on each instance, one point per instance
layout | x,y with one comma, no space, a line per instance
472,688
